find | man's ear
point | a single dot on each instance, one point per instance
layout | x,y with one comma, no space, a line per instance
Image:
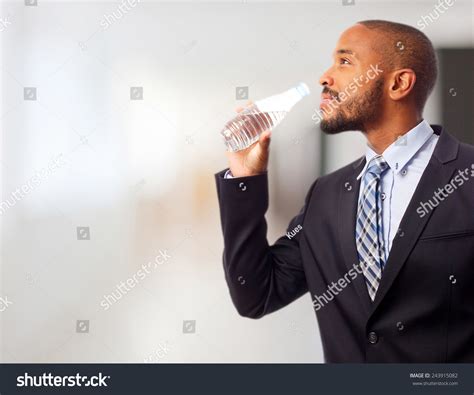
401,83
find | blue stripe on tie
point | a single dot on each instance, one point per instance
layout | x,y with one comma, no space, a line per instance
369,230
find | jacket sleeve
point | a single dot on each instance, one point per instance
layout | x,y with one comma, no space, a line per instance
261,278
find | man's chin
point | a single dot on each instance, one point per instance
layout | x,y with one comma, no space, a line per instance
328,129
331,127
338,125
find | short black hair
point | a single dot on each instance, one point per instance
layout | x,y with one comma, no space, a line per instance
404,46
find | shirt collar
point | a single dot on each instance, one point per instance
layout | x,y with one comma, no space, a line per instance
401,151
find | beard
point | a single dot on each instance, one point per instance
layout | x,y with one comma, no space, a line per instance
356,113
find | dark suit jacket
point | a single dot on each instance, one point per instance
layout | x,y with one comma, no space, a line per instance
424,307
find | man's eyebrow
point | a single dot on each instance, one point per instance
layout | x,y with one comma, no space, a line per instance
345,51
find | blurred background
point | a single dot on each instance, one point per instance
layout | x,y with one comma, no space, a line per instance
110,115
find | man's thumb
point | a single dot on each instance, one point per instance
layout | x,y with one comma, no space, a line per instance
265,138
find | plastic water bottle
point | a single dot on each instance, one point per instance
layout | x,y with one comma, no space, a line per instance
245,129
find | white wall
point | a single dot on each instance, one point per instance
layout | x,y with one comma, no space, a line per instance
139,173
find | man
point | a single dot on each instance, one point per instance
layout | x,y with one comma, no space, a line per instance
385,245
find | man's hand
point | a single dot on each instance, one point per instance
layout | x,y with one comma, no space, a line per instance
252,160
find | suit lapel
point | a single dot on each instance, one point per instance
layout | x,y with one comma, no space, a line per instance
436,175
348,200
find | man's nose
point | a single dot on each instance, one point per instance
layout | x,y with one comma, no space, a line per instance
326,79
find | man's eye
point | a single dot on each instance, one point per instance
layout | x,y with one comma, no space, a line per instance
344,61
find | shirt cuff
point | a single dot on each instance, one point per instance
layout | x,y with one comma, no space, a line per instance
228,174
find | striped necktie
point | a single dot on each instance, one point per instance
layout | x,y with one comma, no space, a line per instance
369,231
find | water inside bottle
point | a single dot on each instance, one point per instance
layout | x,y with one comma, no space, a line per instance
245,129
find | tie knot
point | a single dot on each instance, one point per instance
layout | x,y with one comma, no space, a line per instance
377,166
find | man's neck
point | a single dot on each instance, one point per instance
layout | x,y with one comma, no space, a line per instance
381,136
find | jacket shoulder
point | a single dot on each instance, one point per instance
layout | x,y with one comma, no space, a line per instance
466,150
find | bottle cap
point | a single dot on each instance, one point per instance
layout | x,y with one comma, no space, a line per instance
303,89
